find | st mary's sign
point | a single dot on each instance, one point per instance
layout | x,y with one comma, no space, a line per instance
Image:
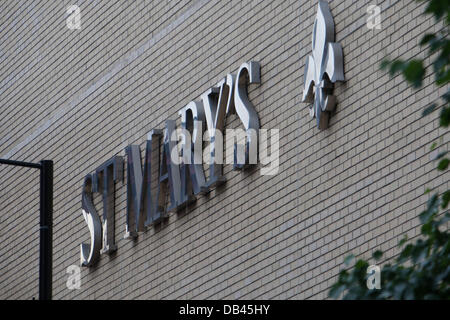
181,175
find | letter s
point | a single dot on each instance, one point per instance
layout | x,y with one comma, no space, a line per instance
90,252
248,73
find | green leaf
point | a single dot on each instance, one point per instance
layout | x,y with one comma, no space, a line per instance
429,110
443,77
444,119
377,254
427,38
399,289
336,291
385,64
361,265
426,229
439,64
440,155
427,214
403,241
446,96
420,250
349,259
433,146
443,164
406,253
444,220
396,66
445,199
414,72
437,8
437,44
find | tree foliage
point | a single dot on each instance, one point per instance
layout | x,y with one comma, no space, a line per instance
422,270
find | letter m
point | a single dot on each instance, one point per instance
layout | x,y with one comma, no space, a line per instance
140,204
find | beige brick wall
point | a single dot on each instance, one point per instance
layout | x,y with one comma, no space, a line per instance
79,97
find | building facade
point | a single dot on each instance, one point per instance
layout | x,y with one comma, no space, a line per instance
80,94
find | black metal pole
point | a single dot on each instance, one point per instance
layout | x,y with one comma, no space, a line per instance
20,163
46,218
45,224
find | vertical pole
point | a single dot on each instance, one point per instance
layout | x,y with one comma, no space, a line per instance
46,217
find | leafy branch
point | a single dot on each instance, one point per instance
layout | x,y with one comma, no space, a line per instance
422,270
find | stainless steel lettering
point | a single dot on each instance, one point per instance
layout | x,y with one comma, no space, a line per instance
108,173
192,120
90,252
248,73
